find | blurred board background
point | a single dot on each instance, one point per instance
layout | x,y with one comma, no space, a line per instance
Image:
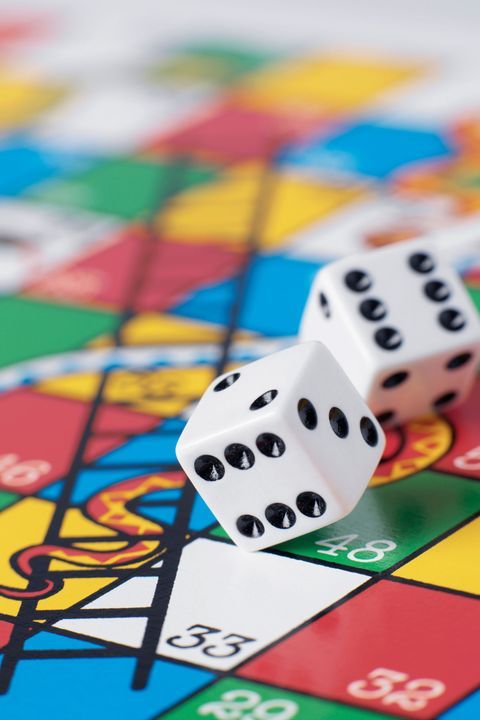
171,178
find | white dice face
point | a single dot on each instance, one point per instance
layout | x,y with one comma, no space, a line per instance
401,324
281,447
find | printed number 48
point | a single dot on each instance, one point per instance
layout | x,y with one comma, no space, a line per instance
372,551
413,696
248,705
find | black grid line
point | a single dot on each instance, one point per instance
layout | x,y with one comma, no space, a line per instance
28,606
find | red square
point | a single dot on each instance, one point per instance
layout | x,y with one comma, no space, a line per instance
104,277
463,458
39,435
116,419
23,27
229,133
395,647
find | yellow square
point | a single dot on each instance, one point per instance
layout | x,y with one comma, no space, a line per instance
333,83
22,98
162,329
165,392
227,211
23,524
452,563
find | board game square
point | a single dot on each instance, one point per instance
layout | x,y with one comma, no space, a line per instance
25,164
467,709
221,211
451,563
387,526
332,82
31,456
463,458
371,149
231,133
109,695
214,63
229,616
233,695
127,187
47,328
23,98
410,650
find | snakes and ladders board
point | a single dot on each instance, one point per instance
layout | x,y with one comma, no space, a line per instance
168,190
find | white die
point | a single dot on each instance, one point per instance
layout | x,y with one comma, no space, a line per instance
401,324
281,447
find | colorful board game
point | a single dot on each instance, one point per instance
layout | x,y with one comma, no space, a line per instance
164,205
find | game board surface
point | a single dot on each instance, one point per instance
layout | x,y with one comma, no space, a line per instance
164,207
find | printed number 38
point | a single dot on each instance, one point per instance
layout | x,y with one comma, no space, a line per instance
248,705
413,696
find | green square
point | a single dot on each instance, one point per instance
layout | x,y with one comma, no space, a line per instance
474,293
215,63
241,699
395,520
32,329
220,532
7,499
126,187
467,180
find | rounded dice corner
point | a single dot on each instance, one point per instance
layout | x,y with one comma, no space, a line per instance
382,442
181,457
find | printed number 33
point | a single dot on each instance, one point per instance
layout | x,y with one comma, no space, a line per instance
220,646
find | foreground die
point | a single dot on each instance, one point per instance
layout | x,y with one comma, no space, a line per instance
281,447
402,326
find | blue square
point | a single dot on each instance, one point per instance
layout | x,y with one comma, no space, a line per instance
25,164
80,688
151,449
277,290
468,709
371,149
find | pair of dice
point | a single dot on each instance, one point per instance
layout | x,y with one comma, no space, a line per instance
288,444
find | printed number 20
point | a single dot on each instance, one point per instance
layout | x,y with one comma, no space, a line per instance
248,705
